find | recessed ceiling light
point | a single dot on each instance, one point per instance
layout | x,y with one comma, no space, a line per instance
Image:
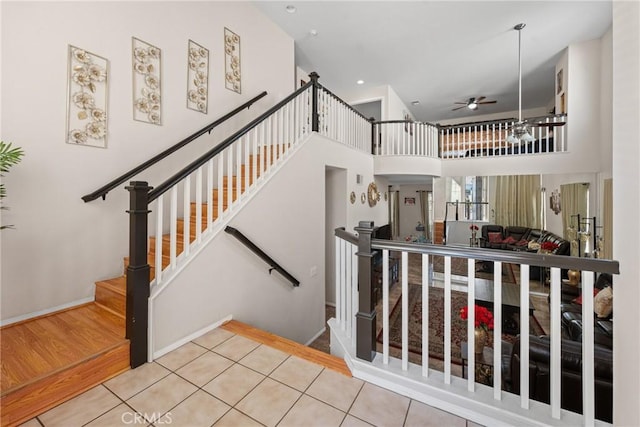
290,8
313,32
360,82
415,102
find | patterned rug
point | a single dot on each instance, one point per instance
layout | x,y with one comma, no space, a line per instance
436,323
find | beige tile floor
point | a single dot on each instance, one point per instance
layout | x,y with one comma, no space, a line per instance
222,379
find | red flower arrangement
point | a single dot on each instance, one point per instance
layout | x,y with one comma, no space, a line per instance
473,227
483,317
549,246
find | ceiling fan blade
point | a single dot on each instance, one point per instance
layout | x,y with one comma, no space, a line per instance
550,124
487,102
480,98
457,108
463,103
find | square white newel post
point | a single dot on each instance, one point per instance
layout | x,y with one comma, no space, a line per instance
366,317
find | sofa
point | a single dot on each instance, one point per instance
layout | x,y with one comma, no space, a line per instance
571,369
493,236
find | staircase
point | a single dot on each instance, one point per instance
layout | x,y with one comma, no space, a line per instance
50,359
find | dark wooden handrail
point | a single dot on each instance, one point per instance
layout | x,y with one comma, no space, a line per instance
500,121
102,191
384,122
187,170
266,258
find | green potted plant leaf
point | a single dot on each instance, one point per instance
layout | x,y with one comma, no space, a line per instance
9,156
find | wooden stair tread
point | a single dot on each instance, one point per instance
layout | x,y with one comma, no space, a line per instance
288,346
117,284
45,344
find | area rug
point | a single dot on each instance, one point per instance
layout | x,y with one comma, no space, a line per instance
436,324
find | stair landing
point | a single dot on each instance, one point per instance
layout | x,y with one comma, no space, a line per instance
49,359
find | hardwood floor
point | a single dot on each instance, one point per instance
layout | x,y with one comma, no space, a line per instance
48,359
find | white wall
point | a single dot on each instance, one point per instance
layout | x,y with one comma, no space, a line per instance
626,199
392,106
287,219
336,216
61,245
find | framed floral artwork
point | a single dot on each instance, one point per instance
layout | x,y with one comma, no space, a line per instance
232,75
147,100
87,81
197,77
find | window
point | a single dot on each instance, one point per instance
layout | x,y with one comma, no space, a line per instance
472,193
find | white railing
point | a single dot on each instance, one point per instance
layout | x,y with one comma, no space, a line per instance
405,138
489,139
340,122
201,203
488,405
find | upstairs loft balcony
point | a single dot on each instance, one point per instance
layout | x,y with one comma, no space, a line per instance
476,139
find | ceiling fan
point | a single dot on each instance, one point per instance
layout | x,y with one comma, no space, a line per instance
520,129
472,103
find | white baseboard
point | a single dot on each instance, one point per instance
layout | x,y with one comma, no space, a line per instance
191,337
28,316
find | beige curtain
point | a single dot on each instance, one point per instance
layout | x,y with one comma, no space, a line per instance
424,213
518,201
574,199
607,221
394,213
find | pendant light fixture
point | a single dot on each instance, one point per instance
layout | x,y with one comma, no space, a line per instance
520,130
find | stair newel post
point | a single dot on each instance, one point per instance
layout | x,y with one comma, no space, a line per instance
138,272
315,118
366,316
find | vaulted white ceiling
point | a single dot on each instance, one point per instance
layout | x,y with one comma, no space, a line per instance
439,52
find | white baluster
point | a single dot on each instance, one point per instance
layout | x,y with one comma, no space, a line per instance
425,315
524,336
220,182
497,329
159,221
353,289
405,310
173,222
471,321
385,307
229,176
186,214
447,319
209,193
555,336
588,373
346,290
199,205
338,278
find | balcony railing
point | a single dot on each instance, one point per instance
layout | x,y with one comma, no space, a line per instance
489,139
355,331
